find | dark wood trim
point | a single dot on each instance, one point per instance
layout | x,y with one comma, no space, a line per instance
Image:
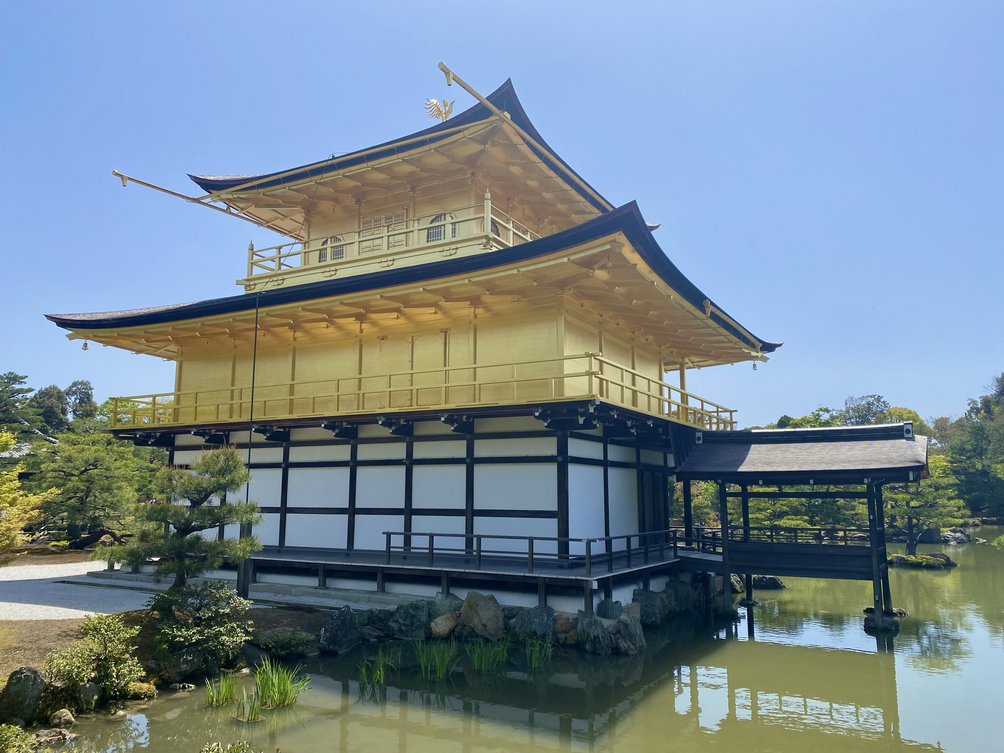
606,490
350,526
562,490
409,481
469,490
284,493
821,494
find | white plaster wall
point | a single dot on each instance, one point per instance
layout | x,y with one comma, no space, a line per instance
317,487
266,486
585,505
370,528
186,457
651,457
439,486
623,503
583,448
323,453
316,530
441,449
367,431
441,524
427,428
268,530
382,486
264,454
516,486
517,527
232,531
187,440
382,451
303,435
486,448
621,454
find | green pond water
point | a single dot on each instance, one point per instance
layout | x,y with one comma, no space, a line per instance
810,680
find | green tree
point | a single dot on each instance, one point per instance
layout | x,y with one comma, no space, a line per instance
898,414
190,504
976,452
16,416
100,479
18,508
864,410
821,416
933,503
52,408
80,398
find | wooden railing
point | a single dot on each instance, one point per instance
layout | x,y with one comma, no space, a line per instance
586,376
529,554
710,539
483,224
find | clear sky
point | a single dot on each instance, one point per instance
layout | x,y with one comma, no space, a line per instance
832,173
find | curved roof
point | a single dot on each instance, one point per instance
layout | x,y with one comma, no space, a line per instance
504,98
626,219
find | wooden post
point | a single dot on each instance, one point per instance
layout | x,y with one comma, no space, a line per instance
883,554
873,535
745,491
688,514
723,515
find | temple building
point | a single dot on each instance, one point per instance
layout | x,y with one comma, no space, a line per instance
462,364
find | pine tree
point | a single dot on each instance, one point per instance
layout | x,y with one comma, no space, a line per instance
18,508
193,501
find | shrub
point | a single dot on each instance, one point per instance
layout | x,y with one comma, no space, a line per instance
141,691
208,618
13,739
285,644
104,656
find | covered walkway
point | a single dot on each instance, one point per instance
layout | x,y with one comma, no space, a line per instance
822,464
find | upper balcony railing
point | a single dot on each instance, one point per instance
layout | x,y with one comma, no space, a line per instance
482,227
575,377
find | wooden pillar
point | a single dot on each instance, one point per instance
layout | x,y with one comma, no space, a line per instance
745,492
873,538
882,553
723,515
688,513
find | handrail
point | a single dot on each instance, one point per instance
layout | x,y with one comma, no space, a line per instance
579,376
709,539
655,542
482,221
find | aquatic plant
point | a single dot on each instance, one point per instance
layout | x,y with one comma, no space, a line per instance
488,656
242,746
436,659
222,691
249,708
374,671
277,685
538,652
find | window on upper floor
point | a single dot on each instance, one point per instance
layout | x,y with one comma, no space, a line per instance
383,232
332,249
441,227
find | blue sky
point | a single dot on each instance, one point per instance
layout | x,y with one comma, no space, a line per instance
830,172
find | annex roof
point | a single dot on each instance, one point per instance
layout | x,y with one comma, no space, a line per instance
618,268
833,455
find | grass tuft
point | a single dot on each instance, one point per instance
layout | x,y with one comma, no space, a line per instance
538,652
436,660
277,685
488,656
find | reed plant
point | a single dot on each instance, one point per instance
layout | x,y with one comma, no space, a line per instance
249,708
488,656
437,659
538,652
277,685
374,671
223,691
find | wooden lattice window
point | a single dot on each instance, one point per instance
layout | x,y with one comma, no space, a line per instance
440,228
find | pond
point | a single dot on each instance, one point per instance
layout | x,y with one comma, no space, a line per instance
810,679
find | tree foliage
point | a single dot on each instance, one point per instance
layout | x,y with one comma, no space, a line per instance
933,503
976,452
192,501
16,416
100,480
18,508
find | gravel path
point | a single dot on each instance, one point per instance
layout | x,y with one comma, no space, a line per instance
33,592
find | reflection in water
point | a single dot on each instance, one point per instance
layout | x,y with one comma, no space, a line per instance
811,680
